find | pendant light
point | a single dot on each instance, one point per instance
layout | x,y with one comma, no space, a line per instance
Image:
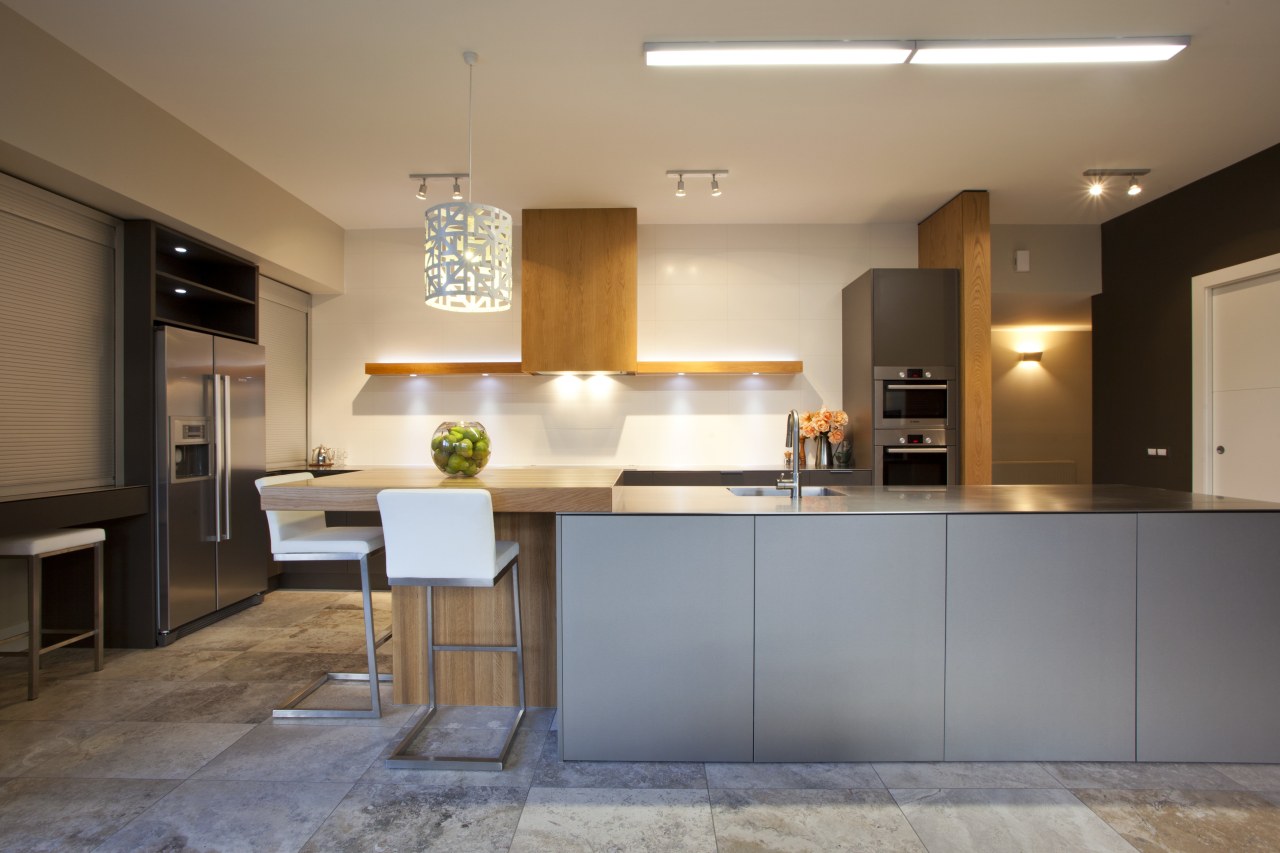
468,245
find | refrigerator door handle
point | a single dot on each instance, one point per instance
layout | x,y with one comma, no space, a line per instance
217,457
225,457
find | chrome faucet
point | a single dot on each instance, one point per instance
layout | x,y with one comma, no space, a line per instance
791,479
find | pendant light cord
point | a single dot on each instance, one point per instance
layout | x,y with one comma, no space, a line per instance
471,181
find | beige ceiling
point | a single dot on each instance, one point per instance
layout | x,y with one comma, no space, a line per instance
338,100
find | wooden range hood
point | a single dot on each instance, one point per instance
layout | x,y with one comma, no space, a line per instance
578,291
579,269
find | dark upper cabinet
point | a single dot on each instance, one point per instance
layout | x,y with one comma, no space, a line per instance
190,284
915,316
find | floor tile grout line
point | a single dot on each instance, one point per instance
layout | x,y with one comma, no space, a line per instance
1092,811
320,824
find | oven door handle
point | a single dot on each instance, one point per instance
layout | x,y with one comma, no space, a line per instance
892,449
942,387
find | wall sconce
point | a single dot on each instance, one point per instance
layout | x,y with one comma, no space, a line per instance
1030,356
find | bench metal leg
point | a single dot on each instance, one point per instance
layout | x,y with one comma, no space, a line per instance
35,626
290,709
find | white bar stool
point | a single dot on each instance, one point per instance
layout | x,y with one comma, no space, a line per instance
304,535
445,537
35,548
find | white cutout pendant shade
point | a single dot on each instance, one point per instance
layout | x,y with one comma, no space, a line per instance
468,257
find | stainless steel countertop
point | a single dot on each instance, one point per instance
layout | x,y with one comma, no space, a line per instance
716,500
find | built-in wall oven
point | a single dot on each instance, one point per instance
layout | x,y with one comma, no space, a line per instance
915,457
915,397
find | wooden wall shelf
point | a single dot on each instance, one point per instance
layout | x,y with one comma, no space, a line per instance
440,368
643,368
659,368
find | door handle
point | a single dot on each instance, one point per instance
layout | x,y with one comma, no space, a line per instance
217,457
226,456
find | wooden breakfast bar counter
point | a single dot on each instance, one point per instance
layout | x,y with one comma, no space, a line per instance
525,503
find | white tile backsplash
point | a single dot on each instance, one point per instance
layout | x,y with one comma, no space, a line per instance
713,293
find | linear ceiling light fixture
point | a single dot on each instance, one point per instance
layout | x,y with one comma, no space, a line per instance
777,53
713,174
1047,51
1097,185
956,52
468,245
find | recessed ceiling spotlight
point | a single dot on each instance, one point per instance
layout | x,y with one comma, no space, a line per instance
180,290
181,250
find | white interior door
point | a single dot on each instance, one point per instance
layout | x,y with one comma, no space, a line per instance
1246,389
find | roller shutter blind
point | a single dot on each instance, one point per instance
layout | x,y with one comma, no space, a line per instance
282,329
57,343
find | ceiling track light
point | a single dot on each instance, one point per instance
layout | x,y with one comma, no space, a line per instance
713,174
957,52
1097,185
453,176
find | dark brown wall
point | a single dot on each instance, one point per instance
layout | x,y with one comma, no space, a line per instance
1142,318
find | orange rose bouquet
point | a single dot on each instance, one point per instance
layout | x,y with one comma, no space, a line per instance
824,422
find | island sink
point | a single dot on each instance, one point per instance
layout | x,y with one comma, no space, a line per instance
769,492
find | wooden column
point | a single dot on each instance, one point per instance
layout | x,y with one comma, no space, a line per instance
483,617
958,236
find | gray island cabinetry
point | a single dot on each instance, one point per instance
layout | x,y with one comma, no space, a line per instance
1040,637
656,628
843,602
969,624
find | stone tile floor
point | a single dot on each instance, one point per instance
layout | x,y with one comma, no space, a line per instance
175,749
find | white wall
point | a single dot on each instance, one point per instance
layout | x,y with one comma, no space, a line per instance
705,293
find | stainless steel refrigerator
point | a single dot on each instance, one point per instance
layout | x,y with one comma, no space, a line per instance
212,547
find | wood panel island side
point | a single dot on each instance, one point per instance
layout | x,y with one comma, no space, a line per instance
525,503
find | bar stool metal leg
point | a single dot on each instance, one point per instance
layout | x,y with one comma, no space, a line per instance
290,709
402,759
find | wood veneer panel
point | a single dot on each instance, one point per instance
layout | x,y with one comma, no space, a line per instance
718,367
513,489
440,368
578,290
958,235
483,617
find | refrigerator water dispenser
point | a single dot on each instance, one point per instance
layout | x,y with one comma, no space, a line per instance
190,456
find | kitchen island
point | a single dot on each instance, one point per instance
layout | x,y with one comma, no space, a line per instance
979,623
964,623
